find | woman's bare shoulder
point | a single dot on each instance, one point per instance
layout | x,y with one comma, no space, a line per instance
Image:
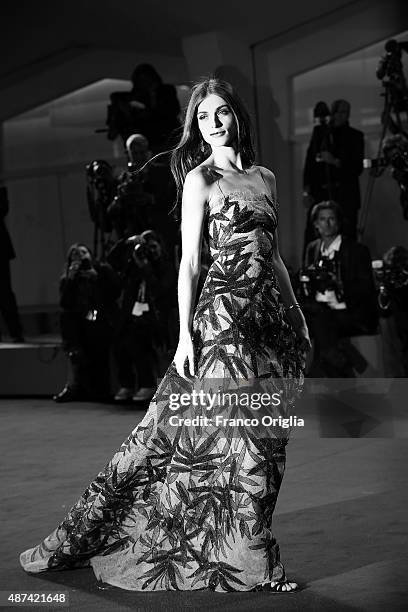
197,186
202,176
199,173
266,173
269,178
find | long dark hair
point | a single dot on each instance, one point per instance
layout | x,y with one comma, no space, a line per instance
70,255
192,150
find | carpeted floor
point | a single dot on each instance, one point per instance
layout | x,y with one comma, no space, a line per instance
340,519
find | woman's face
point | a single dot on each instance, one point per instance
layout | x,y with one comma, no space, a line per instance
216,122
80,254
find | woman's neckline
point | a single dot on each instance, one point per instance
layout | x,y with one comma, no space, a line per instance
218,171
245,188
254,193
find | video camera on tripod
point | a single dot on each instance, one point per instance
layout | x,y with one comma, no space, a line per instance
392,150
390,72
101,188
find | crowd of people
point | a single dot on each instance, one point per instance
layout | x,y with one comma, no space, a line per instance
120,307
336,282
118,303
118,311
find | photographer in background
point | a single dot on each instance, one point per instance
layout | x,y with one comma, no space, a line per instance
149,293
130,212
392,278
334,162
88,293
145,195
339,297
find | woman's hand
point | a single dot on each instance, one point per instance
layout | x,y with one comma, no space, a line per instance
73,269
185,351
303,334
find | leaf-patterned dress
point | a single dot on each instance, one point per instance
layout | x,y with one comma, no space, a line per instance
190,507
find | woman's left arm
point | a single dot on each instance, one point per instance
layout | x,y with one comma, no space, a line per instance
293,310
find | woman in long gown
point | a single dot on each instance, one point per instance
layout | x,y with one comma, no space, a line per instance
182,506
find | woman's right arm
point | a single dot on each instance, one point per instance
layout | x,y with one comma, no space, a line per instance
195,194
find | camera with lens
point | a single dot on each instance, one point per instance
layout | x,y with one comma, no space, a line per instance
130,184
132,190
141,251
101,187
321,112
99,169
390,274
139,247
146,245
133,168
320,277
390,70
100,176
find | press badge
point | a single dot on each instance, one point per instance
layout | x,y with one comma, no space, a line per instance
139,308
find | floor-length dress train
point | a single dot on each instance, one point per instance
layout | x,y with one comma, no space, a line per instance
182,507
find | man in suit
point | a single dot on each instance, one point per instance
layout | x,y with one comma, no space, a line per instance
145,195
342,299
334,162
8,304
